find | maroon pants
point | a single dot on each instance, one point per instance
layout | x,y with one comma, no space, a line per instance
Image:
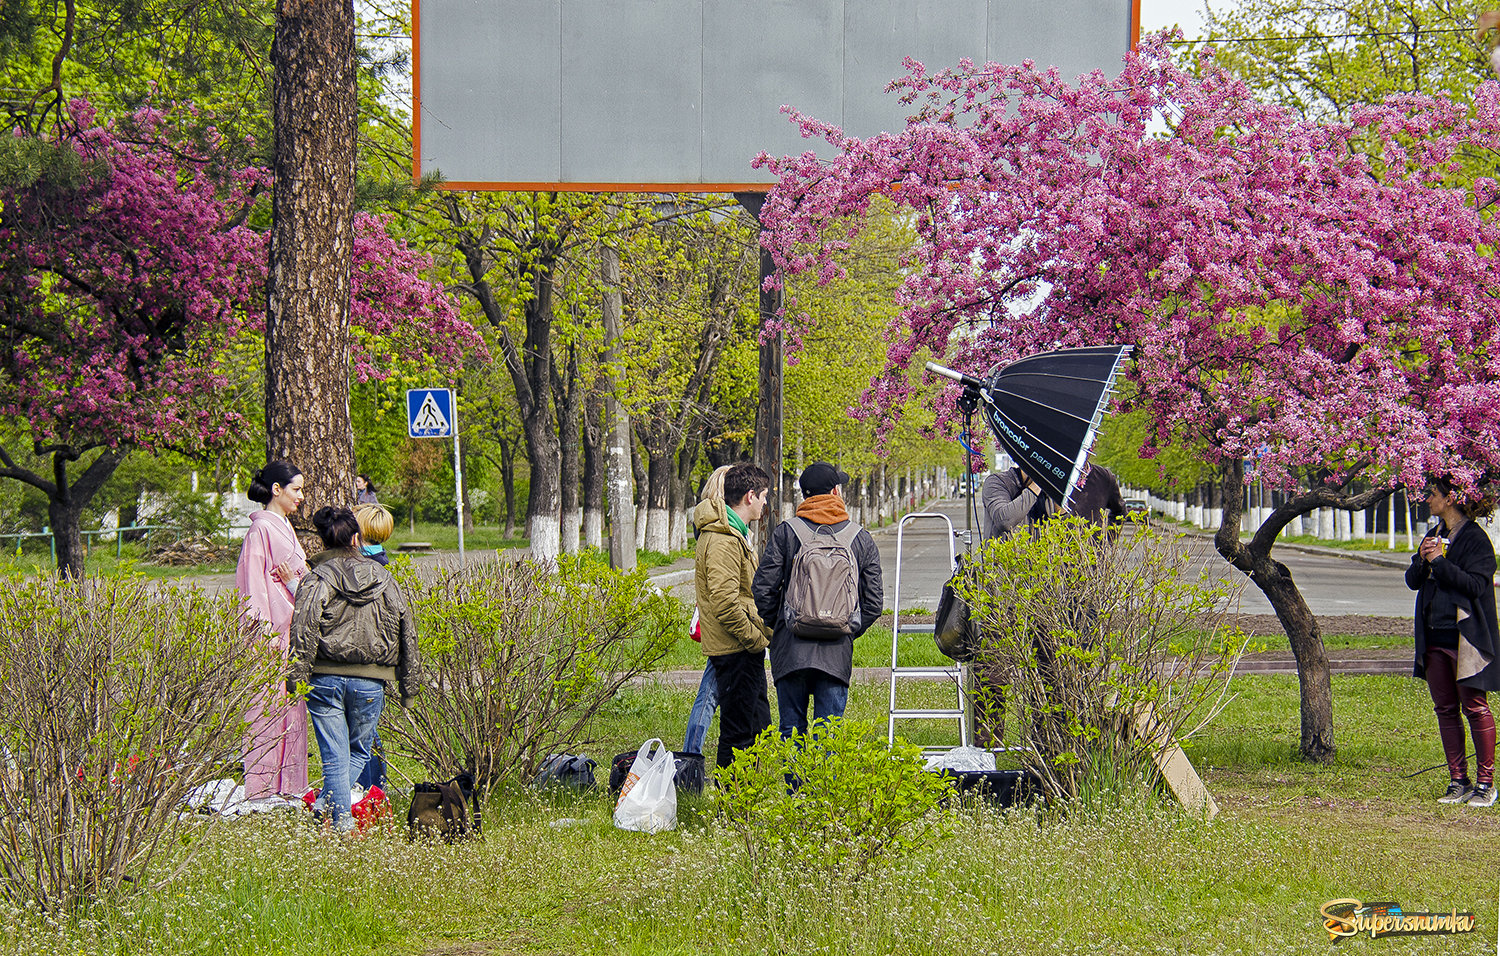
1448,699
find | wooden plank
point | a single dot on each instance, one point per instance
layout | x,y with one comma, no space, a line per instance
1176,769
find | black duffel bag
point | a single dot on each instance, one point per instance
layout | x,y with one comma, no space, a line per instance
952,628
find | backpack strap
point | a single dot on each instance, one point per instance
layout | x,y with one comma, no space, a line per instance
847,535
803,529
806,531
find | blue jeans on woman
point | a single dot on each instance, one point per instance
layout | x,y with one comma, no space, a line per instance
344,713
703,712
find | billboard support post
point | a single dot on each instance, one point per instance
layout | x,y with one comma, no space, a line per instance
769,424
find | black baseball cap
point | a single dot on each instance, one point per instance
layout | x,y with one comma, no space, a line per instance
820,478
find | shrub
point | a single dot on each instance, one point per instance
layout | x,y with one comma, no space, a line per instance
856,801
1104,649
118,700
519,655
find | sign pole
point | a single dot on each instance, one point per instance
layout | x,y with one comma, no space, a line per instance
458,481
433,413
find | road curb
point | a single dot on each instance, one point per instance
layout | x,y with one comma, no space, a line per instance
1256,668
671,577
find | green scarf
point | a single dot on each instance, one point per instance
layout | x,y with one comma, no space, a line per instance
737,523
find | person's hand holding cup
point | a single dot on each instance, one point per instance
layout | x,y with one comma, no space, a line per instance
1432,547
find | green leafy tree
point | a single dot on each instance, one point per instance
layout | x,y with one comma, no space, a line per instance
838,357
689,295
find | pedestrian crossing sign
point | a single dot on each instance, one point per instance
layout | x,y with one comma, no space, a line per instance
429,412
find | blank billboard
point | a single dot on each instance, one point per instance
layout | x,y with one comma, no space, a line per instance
648,95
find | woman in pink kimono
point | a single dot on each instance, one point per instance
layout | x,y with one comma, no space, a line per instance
271,563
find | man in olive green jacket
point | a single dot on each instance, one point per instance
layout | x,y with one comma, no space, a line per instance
734,636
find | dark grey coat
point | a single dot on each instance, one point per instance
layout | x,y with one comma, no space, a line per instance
791,653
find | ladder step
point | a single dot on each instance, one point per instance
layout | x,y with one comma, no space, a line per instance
914,629
952,672
935,712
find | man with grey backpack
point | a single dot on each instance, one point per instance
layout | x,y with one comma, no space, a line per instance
819,581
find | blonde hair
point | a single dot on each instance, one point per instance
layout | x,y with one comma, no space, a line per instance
375,523
713,488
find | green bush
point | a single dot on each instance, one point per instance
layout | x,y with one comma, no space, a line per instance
1103,649
519,655
120,698
856,802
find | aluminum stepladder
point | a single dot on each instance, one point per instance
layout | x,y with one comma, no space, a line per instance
954,673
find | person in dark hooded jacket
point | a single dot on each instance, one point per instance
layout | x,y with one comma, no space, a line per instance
352,633
816,670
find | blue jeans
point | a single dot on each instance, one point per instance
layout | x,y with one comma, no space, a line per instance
828,699
374,772
703,712
344,712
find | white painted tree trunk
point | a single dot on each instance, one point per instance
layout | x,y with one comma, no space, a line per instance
640,527
658,530
1357,525
593,529
572,521
679,529
546,538
1325,524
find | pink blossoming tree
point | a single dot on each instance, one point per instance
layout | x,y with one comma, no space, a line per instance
126,268
1310,298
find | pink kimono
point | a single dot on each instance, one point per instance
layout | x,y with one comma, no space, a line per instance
276,742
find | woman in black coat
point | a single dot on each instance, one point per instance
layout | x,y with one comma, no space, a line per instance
1457,639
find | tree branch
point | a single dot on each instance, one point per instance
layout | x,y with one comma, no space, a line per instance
12,470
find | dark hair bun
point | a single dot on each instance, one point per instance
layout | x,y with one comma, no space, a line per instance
275,473
336,526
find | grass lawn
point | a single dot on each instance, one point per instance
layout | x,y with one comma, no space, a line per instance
101,561
552,875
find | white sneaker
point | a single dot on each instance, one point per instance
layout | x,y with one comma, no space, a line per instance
1482,796
1458,791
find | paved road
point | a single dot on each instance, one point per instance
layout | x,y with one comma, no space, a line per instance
1332,584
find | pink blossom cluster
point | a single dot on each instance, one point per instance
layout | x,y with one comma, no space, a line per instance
396,313
1297,293
121,288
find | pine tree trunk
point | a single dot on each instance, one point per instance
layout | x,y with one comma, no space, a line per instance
312,230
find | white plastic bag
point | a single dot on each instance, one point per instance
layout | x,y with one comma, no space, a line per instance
648,798
962,759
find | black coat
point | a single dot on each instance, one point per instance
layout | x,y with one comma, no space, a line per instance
1462,584
791,653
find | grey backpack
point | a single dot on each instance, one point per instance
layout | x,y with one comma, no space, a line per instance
822,595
